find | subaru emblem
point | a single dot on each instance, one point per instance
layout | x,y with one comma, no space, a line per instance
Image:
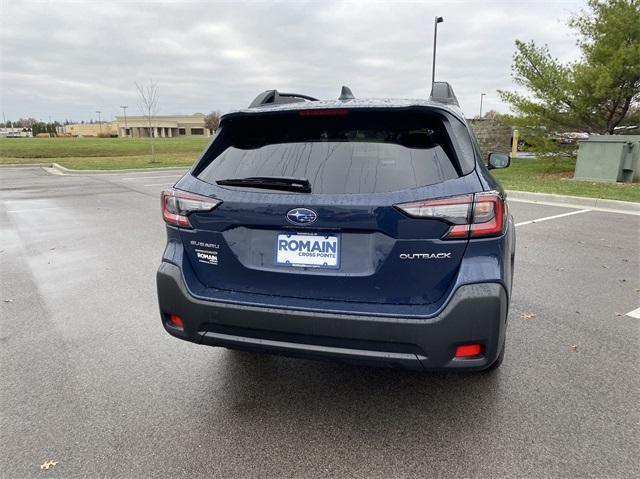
301,216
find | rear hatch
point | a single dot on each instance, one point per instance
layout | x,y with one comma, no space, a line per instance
309,205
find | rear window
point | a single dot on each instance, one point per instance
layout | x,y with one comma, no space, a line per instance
345,152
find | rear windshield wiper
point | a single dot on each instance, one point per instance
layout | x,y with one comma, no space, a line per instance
284,183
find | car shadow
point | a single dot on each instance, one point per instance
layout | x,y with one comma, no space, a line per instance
301,406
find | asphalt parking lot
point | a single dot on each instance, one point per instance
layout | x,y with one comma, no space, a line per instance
89,378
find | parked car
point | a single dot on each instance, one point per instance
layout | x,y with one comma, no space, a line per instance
365,231
570,137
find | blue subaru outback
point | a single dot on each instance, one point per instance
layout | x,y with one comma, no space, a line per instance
365,231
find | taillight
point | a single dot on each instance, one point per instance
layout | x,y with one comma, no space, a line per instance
454,210
478,216
488,215
177,205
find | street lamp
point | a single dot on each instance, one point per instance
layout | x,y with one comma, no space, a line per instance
99,120
482,95
435,40
124,110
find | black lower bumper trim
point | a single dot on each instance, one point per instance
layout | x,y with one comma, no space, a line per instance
311,349
475,314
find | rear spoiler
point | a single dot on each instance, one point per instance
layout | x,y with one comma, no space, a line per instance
274,97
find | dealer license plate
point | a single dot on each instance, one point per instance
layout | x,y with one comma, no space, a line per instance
308,250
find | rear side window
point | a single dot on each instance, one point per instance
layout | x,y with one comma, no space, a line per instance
344,152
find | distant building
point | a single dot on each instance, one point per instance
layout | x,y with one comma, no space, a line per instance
15,132
89,129
168,126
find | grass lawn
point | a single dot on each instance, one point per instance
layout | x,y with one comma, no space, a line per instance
101,153
546,176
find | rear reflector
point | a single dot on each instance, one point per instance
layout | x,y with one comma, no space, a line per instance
468,350
476,216
177,205
176,321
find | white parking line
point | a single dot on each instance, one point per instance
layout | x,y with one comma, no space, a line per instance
158,184
132,178
178,171
575,207
547,218
634,314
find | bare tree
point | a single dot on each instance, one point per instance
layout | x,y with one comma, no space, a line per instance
25,122
491,115
148,97
212,121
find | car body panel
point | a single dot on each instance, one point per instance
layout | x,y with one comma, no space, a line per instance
373,235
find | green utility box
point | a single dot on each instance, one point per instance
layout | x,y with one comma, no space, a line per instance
609,158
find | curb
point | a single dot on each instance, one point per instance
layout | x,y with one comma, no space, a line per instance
574,201
68,171
24,165
57,169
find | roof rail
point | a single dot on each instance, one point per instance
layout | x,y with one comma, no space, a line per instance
274,97
442,92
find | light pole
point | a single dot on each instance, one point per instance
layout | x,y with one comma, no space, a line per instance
99,120
435,41
124,110
481,97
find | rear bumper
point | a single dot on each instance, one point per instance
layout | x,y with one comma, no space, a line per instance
476,313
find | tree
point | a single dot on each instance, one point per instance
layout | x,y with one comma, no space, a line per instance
594,94
38,127
25,122
52,128
491,115
212,121
148,98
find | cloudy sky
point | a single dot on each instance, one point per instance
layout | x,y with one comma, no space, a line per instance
67,59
